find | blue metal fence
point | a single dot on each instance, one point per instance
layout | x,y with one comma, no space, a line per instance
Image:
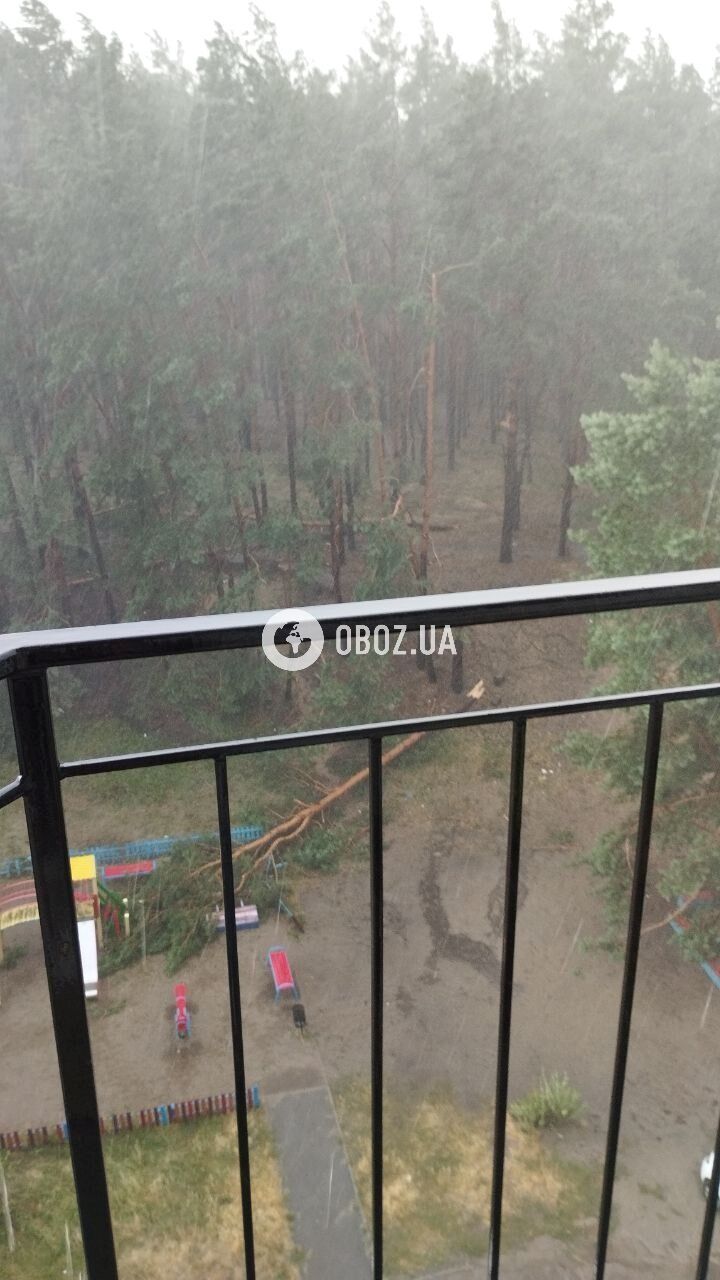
134,851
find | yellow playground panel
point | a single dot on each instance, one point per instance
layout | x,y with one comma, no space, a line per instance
18,904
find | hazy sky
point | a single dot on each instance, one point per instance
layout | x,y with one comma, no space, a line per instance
329,30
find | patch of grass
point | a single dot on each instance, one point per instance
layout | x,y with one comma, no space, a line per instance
493,757
175,1199
554,1102
563,837
438,1172
12,957
325,848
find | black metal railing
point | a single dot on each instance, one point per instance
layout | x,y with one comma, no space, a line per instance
25,660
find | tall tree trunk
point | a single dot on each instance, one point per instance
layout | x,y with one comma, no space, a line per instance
56,578
15,516
350,508
334,533
288,402
429,441
240,519
526,466
340,518
257,509
494,408
511,475
83,504
212,561
362,338
451,407
572,457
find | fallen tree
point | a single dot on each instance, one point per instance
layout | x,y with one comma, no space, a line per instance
264,847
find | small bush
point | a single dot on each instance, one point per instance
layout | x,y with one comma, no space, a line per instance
319,852
554,1102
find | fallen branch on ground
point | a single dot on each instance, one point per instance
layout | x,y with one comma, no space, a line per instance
263,848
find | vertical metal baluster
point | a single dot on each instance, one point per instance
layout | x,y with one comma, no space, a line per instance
512,875
228,883
710,1214
376,989
35,738
632,947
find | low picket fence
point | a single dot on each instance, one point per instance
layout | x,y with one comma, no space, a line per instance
167,1113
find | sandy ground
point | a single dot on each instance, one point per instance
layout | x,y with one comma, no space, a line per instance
443,914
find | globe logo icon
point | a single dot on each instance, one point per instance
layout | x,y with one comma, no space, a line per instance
297,629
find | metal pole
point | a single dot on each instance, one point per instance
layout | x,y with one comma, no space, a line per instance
143,946
376,998
632,948
710,1213
228,882
512,880
37,756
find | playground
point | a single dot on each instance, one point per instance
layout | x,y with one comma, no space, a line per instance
443,919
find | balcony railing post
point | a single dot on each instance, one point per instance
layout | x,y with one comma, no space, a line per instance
377,1011
512,880
632,949
228,881
32,718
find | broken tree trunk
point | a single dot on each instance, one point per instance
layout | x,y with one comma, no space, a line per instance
290,828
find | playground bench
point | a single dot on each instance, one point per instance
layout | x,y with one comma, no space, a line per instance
125,870
246,917
279,966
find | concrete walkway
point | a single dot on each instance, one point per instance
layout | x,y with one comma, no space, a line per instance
328,1224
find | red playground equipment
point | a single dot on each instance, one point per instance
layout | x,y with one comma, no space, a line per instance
279,966
182,1016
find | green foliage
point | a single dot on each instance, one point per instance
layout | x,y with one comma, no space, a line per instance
356,688
387,571
178,899
320,851
653,474
553,1103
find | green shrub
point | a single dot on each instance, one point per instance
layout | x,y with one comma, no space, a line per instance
178,899
320,851
554,1102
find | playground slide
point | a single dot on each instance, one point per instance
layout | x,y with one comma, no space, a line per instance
88,956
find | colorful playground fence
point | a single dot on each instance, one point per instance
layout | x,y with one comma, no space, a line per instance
134,851
217,1104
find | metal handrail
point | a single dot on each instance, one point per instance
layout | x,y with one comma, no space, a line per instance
25,659
71,646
